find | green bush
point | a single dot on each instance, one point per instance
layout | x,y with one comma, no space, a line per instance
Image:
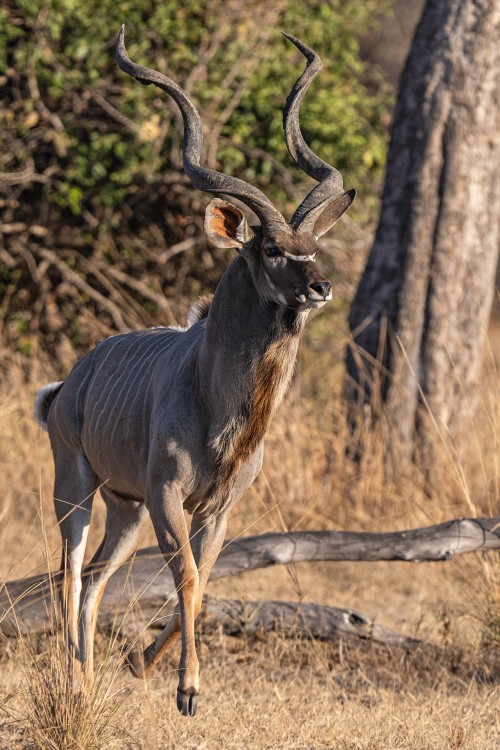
100,134
93,195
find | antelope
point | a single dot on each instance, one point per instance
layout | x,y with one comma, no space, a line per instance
166,420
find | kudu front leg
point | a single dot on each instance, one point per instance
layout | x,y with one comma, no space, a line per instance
173,538
207,538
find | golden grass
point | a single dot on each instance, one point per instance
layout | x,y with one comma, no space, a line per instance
296,694
58,716
280,693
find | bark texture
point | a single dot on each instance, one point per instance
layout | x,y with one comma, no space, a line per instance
305,619
420,314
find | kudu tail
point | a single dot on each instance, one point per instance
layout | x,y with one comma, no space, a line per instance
43,401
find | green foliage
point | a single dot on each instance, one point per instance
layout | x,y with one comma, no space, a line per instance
95,191
100,135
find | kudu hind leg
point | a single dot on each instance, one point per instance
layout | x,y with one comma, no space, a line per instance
74,488
124,521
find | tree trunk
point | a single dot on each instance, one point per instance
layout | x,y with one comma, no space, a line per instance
420,314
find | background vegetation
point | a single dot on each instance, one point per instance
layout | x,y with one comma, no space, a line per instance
92,184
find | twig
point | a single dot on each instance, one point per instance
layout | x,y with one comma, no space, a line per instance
74,279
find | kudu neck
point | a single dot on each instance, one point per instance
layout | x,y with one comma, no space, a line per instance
240,329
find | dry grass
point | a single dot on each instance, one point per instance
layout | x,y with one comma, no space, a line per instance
280,693
294,694
59,716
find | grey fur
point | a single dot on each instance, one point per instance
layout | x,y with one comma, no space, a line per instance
199,310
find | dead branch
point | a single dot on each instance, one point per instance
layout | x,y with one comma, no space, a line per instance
243,618
75,280
112,111
23,176
294,618
144,584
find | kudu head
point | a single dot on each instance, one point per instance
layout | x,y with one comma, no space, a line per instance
281,256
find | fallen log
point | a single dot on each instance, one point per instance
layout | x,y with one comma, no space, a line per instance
238,618
304,618
145,584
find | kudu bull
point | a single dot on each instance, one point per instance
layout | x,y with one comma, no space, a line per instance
166,420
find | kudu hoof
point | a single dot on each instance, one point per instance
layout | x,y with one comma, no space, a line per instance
187,703
135,661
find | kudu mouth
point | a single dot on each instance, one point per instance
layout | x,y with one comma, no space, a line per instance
315,295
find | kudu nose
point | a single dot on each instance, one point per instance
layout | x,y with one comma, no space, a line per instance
323,288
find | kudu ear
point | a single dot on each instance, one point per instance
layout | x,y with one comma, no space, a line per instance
322,218
226,225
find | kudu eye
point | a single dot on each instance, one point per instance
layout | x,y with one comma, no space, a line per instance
272,251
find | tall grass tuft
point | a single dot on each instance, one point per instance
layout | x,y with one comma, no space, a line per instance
60,714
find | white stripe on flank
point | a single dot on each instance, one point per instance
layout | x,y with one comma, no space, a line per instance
95,375
118,382
140,368
146,374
